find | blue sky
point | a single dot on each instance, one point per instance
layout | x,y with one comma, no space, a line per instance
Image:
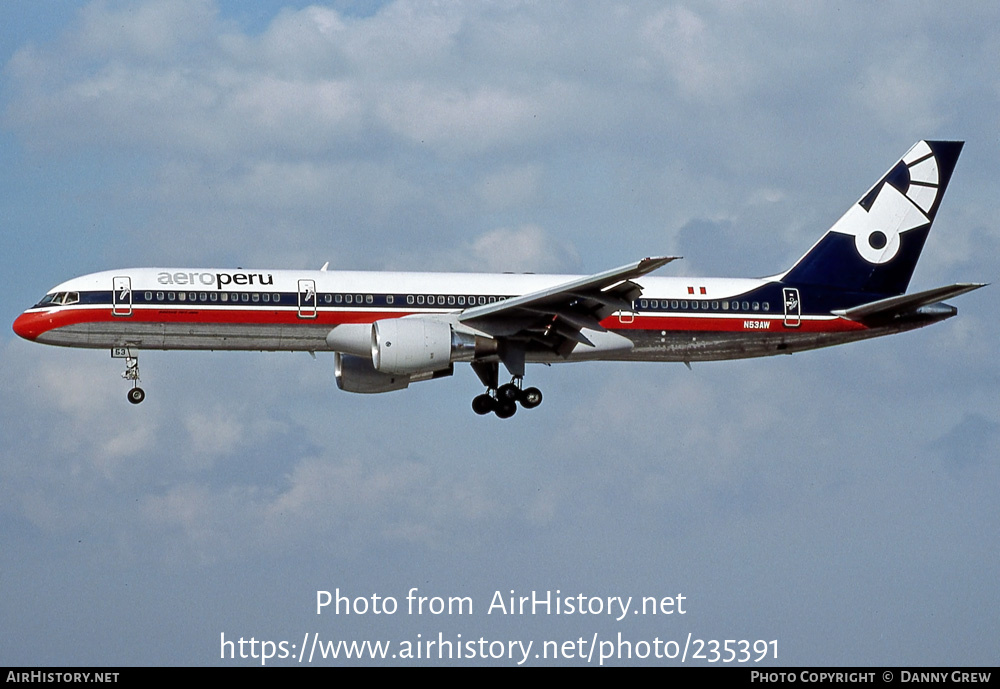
839,501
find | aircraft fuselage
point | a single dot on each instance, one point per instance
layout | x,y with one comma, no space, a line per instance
676,319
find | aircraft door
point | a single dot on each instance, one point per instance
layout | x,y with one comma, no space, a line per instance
793,307
307,299
626,317
121,296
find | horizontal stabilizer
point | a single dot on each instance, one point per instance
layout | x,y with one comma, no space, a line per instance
904,304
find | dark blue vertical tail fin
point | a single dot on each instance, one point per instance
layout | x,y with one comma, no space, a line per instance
874,247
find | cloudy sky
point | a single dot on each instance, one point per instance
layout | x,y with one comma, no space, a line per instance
841,502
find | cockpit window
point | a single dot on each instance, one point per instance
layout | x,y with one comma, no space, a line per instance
59,299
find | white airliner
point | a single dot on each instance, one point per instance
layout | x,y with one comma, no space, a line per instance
392,329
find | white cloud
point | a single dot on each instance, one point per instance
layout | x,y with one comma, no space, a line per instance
152,31
510,187
527,248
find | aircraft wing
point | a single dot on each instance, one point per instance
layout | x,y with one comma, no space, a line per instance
904,304
554,317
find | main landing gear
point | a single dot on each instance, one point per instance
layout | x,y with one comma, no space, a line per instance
503,401
136,394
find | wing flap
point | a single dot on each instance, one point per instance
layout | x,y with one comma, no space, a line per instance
580,321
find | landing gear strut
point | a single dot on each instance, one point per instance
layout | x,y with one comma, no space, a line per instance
136,394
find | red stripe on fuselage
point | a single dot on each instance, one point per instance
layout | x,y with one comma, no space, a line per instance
30,325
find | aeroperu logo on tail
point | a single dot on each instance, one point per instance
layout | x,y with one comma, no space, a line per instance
901,201
875,245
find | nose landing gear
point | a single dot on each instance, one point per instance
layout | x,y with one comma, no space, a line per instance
136,394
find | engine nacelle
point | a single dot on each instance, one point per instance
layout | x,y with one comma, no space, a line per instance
356,374
421,345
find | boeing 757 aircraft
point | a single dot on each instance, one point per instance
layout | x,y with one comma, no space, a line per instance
392,329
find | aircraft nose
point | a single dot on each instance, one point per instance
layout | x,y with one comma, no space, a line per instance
27,325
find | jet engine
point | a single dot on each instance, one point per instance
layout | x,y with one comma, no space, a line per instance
411,346
356,374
